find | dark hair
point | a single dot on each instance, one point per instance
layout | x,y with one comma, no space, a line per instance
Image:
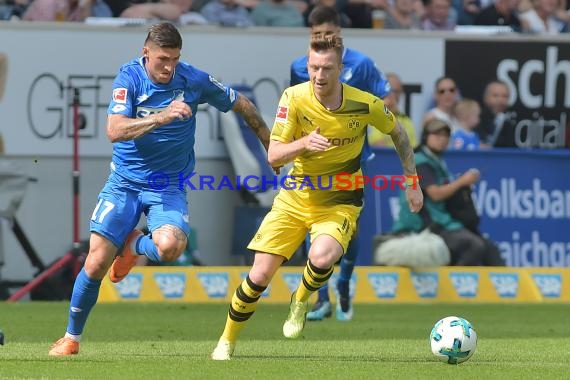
324,43
495,81
441,79
164,35
323,15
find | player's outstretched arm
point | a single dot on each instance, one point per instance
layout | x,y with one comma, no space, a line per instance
406,154
123,128
252,117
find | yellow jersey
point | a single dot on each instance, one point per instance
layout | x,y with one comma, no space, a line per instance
331,176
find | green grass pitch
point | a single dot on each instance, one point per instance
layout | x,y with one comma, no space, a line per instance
173,341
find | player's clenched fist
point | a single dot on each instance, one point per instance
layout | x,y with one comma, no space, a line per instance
315,142
177,110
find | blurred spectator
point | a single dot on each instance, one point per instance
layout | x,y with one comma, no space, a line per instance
345,21
563,11
403,15
437,16
13,9
66,10
467,10
467,115
277,13
227,13
501,13
197,5
360,11
541,19
446,95
448,208
118,6
178,11
392,101
496,128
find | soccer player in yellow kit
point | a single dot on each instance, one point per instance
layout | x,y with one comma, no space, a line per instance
320,125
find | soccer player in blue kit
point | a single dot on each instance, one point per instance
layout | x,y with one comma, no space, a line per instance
152,123
361,72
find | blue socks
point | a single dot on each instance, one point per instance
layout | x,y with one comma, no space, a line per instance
323,293
84,297
348,261
145,246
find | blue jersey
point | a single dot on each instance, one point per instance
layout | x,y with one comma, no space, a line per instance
464,140
358,71
168,149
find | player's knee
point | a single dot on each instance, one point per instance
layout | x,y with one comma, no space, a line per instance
96,267
323,261
260,278
323,257
169,251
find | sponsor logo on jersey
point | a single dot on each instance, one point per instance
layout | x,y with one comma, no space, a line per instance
426,284
353,124
506,284
281,115
142,98
385,285
550,285
214,284
179,95
131,286
146,111
120,95
171,285
465,284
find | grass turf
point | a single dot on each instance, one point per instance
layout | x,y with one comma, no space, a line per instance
173,341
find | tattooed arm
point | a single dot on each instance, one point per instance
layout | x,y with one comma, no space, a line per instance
404,149
251,115
406,154
123,128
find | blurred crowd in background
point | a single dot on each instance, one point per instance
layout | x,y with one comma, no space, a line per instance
519,16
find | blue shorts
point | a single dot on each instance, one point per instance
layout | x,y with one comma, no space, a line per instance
121,204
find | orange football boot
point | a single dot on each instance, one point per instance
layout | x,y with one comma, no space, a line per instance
123,264
64,347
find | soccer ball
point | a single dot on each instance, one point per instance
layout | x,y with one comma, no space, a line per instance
453,340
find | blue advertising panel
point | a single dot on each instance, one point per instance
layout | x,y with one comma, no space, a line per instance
523,199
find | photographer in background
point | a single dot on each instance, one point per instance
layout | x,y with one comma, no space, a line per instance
448,208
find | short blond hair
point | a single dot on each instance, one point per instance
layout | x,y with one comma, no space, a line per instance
466,107
325,43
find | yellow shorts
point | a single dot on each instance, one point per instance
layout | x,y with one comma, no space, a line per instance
285,227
